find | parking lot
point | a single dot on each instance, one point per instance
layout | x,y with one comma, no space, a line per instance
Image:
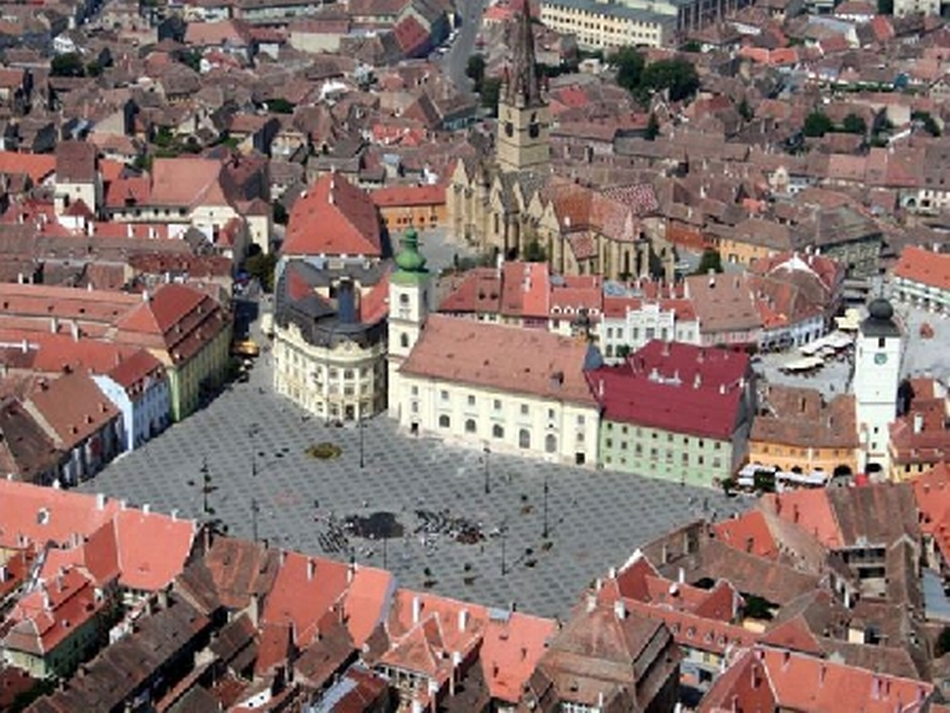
447,533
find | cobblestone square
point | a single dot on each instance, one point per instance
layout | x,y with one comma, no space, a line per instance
255,443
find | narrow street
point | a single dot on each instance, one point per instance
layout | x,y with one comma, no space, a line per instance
456,59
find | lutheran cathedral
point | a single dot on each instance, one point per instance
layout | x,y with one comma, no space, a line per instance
503,204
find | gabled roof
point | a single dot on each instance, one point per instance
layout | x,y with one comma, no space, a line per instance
334,217
507,359
924,267
74,408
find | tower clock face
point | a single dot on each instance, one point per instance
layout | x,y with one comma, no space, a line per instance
880,358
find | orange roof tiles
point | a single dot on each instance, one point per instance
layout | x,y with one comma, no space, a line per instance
924,267
37,166
507,359
408,196
144,566
333,217
749,533
510,652
74,408
304,590
810,510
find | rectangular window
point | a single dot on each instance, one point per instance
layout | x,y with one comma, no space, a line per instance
581,420
471,400
550,414
415,390
444,395
524,409
497,405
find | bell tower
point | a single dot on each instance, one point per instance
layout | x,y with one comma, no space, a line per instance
409,299
877,369
523,117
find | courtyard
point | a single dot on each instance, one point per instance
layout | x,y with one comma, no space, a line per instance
457,525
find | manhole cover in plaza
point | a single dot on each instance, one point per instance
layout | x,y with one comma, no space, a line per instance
377,526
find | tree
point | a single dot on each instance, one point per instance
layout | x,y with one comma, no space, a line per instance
943,643
67,65
817,124
535,252
191,58
475,70
280,105
630,64
678,76
491,93
623,351
885,7
929,123
262,266
745,111
854,124
280,213
653,128
711,260
691,46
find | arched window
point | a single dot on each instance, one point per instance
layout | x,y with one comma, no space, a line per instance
470,426
497,431
524,438
550,443
404,340
444,421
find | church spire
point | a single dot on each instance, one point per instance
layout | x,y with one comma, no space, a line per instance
522,87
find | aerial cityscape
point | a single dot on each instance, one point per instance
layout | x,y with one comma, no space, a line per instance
475,356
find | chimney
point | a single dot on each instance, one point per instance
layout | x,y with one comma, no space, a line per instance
144,295
311,566
712,277
821,675
591,602
697,380
918,422
100,501
129,232
54,325
620,609
146,509
416,609
681,576
74,328
463,619
600,389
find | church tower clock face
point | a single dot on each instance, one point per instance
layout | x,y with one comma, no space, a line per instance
880,358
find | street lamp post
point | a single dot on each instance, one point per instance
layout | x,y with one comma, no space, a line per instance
487,452
205,485
255,509
504,539
360,426
545,532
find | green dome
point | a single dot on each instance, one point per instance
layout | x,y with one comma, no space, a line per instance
409,258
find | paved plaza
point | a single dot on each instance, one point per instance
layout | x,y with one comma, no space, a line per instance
254,445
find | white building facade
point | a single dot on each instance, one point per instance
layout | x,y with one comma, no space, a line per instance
877,370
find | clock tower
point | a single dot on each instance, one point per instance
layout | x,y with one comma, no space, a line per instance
523,117
877,370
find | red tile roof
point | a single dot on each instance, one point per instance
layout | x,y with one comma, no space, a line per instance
810,510
748,532
74,408
408,196
675,387
508,359
924,267
304,590
333,217
37,166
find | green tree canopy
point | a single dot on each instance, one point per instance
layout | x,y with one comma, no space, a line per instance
711,260
67,65
262,266
817,124
535,252
280,213
475,70
653,128
491,93
280,105
630,64
929,123
943,643
854,124
676,75
745,111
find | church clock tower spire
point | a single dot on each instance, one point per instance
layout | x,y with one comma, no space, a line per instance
523,117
